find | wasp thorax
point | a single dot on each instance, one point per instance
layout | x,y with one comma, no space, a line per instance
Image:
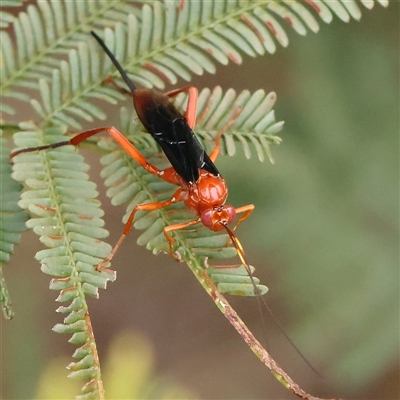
209,192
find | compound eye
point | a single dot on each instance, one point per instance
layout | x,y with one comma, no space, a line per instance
216,219
231,212
206,218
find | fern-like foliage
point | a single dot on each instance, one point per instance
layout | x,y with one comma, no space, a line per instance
5,17
12,222
12,218
156,44
68,221
254,125
54,66
43,33
236,281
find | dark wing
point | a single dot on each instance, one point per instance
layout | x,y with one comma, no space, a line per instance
168,127
172,132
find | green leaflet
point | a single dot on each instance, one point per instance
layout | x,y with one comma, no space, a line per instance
12,218
68,220
235,281
157,44
254,125
5,17
42,32
12,222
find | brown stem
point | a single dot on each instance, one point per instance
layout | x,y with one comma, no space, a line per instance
92,343
252,342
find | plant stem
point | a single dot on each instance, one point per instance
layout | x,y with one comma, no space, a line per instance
255,346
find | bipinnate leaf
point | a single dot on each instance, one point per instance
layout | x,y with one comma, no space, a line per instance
12,222
158,43
68,220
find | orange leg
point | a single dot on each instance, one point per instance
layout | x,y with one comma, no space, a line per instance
246,210
125,144
193,94
129,223
176,227
191,109
215,152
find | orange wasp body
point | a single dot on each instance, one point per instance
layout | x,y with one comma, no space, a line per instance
201,186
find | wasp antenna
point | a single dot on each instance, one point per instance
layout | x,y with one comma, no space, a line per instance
240,251
290,340
124,75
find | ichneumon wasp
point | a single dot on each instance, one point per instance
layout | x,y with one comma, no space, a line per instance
201,186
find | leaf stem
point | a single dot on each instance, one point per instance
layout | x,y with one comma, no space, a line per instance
234,319
92,342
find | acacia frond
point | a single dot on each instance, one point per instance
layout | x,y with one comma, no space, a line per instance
250,118
60,103
56,66
46,31
156,44
68,221
12,218
5,17
12,221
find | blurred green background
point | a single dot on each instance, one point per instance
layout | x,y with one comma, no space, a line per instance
324,237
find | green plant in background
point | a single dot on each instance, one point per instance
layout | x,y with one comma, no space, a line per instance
156,43
128,373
